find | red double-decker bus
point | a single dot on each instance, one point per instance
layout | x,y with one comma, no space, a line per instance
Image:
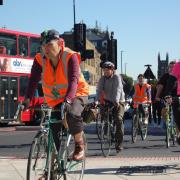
17,51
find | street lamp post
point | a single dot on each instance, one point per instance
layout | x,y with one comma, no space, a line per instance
74,11
125,68
121,63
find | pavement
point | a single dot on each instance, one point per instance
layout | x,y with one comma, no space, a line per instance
107,168
114,168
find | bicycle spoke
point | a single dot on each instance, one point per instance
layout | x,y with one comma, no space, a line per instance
74,169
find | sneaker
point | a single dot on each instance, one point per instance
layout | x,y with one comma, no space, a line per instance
79,152
118,147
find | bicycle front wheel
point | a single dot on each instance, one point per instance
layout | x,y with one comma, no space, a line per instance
143,128
36,166
134,131
74,170
105,138
98,125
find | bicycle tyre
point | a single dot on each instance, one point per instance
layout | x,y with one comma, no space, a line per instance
105,137
167,135
74,170
143,129
98,125
134,131
173,135
38,155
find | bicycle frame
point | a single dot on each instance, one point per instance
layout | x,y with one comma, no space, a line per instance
170,126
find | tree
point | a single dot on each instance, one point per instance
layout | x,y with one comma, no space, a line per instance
128,84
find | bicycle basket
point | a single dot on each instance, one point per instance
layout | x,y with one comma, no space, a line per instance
88,116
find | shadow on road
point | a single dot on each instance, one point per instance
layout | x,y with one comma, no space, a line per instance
136,170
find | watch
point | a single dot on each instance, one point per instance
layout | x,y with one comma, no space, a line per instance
68,101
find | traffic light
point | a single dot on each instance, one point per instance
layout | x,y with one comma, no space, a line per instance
80,39
1,2
89,54
112,51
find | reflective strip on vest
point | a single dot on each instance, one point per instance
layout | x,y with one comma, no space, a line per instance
53,97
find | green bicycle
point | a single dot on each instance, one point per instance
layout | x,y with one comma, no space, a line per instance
170,125
45,161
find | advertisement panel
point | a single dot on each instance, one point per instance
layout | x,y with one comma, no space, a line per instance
15,65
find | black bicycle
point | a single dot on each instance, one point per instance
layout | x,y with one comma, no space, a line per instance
138,124
98,120
107,129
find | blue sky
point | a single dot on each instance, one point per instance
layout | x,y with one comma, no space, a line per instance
142,27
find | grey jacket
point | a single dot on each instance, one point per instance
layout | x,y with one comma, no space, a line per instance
112,88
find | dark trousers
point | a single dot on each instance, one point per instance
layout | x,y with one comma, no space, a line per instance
156,109
74,119
118,113
176,113
74,111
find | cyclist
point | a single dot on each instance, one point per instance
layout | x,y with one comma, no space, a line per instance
161,85
63,84
141,94
110,85
173,82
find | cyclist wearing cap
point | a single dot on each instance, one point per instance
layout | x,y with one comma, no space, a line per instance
110,85
141,93
173,82
62,82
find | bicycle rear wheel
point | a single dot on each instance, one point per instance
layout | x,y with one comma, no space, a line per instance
36,166
167,134
73,169
173,134
134,131
105,137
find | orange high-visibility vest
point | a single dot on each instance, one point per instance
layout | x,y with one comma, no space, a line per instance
140,95
57,80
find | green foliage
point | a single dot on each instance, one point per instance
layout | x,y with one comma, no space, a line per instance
128,84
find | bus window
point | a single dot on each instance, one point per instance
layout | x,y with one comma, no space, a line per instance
23,85
8,42
2,50
34,46
23,46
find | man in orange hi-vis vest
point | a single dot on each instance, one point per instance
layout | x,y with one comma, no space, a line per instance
63,83
141,95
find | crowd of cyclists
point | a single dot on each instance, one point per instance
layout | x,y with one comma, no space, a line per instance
66,92
64,86
157,95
